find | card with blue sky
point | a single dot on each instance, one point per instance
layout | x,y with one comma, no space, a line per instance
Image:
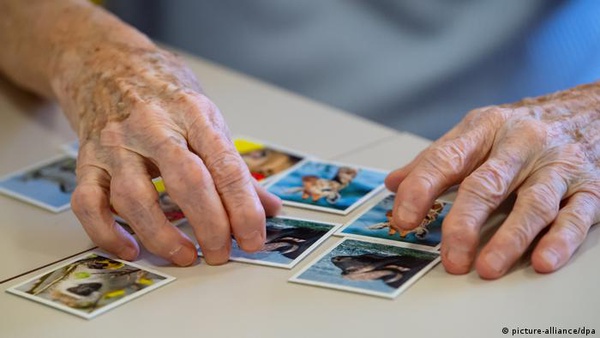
374,224
71,148
91,284
49,184
368,268
327,186
289,240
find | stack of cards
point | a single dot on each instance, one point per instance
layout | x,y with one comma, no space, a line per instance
371,258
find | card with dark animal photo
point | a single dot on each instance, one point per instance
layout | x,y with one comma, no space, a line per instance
90,285
265,160
172,211
368,267
327,186
288,241
48,185
375,224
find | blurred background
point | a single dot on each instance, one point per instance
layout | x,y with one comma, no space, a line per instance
414,65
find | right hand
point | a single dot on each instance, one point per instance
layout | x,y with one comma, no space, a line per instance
139,113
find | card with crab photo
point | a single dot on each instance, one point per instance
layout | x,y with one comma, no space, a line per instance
374,224
266,160
49,184
367,267
327,186
289,240
91,284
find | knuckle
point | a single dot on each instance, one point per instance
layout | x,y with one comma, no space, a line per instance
541,201
519,236
227,170
84,200
574,228
488,184
131,196
533,131
448,158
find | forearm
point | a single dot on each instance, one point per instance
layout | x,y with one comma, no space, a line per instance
45,42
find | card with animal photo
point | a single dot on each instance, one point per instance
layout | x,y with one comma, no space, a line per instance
375,224
90,285
266,160
48,185
172,211
367,267
327,186
71,148
288,241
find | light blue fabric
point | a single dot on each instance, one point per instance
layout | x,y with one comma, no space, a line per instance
413,65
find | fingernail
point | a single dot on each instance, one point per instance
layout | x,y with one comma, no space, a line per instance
251,241
182,256
495,261
128,253
551,257
407,214
458,257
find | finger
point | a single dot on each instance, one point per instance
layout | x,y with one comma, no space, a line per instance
271,203
190,185
566,234
208,137
90,203
478,196
394,178
536,206
135,199
509,164
439,168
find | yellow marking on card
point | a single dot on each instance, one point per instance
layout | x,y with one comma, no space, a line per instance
82,275
114,294
159,184
245,146
145,281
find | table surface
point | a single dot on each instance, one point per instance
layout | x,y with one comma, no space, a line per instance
242,300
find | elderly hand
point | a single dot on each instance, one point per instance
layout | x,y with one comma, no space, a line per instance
546,150
139,112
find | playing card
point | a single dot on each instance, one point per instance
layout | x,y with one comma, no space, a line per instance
375,224
367,267
71,148
48,185
173,213
327,186
90,285
266,160
288,241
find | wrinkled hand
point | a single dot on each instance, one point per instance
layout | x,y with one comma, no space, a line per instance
546,150
140,113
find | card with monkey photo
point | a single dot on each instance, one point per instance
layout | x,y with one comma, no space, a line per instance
264,160
327,186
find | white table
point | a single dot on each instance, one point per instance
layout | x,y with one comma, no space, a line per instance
240,300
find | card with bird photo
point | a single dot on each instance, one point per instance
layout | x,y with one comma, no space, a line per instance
265,160
289,240
367,267
49,184
91,284
327,186
374,224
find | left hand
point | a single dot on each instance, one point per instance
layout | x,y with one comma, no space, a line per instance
546,150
